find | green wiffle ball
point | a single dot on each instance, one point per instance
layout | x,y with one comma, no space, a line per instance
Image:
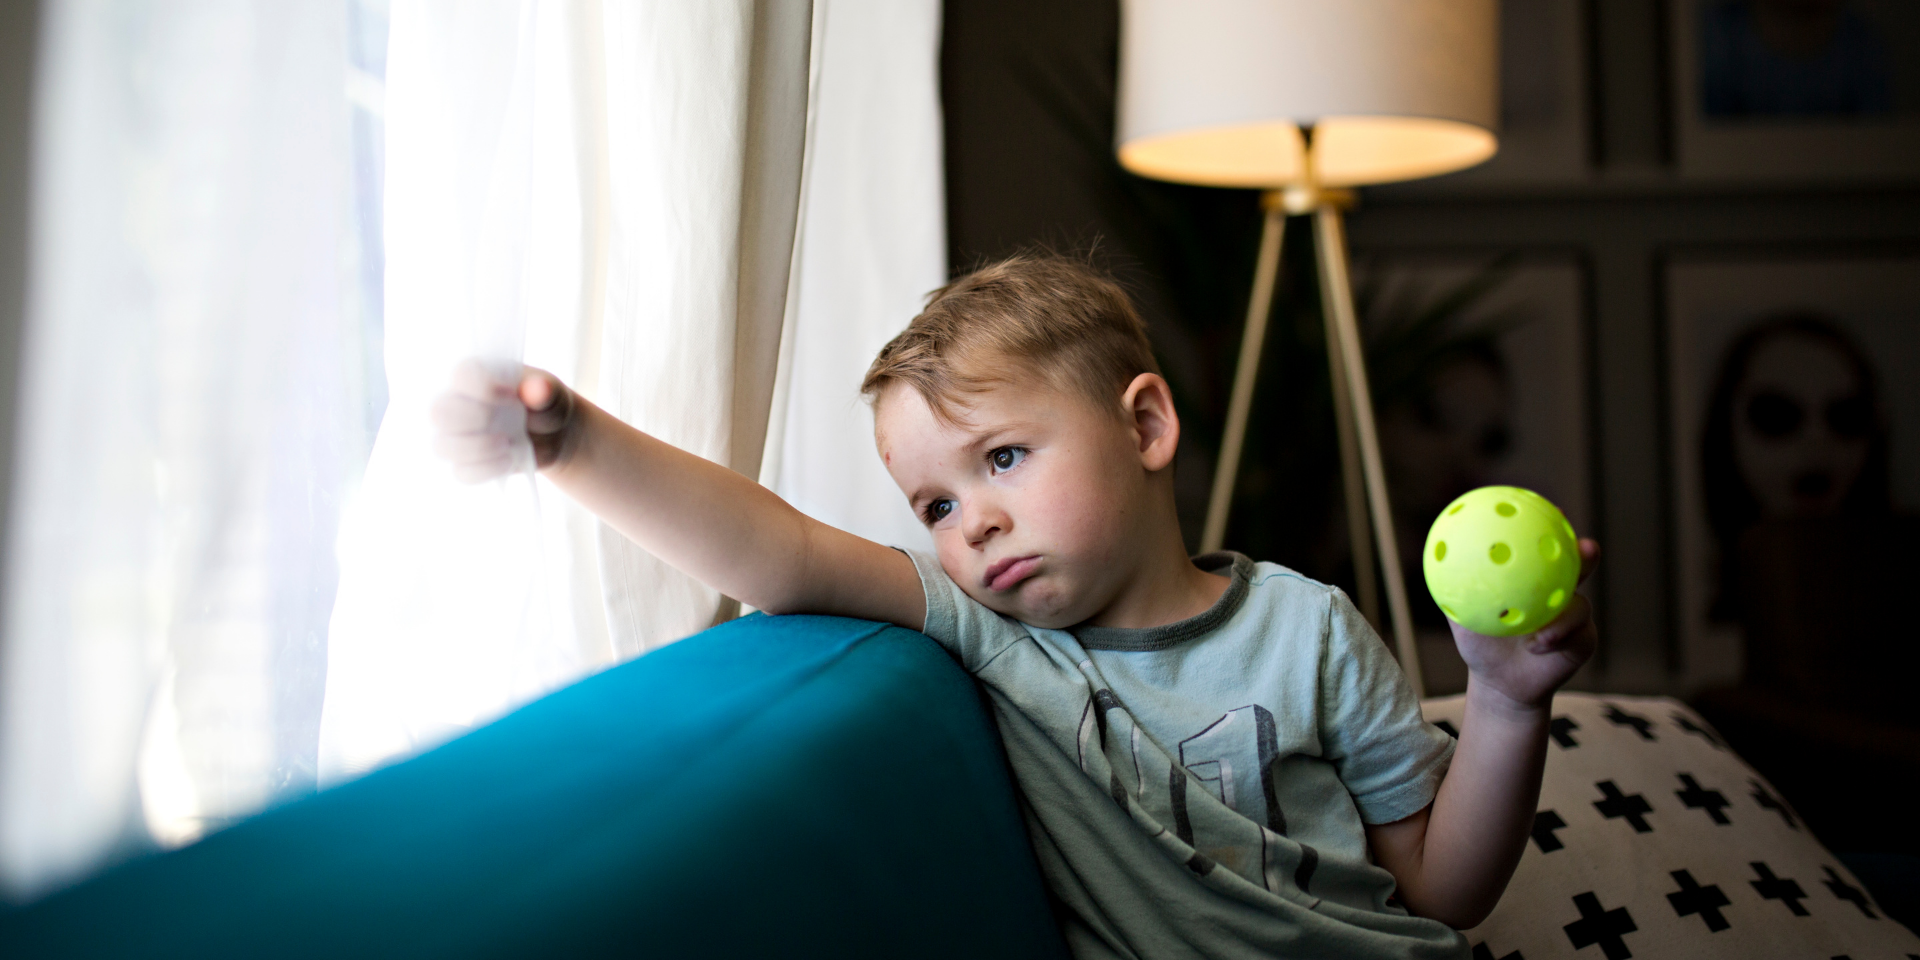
1502,561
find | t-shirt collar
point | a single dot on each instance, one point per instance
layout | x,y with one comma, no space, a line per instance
1235,566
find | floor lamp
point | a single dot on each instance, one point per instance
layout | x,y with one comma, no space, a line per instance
1306,99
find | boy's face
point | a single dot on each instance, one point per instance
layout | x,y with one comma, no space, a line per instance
1033,496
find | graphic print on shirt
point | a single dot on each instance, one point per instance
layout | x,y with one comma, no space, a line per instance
1237,757
1236,760
1093,734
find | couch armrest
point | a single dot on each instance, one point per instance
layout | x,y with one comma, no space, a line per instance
776,786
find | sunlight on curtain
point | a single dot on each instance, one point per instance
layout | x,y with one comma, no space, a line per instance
194,406
607,191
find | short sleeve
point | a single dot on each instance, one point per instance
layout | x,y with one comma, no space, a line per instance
1390,758
967,628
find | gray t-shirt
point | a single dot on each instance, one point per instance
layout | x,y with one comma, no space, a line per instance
1199,789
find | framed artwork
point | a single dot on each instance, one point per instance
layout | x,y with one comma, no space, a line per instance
1480,372
1794,428
1795,90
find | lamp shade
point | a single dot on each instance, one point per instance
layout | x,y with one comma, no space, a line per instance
1214,91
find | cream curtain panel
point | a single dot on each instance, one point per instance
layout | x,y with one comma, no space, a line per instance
873,242
608,190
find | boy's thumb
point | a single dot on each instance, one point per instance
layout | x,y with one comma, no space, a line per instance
537,389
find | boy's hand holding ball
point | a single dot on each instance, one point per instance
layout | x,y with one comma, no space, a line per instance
1503,564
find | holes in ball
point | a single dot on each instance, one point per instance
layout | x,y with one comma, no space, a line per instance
1512,615
1555,599
1505,509
1439,551
1449,612
1456,508
1549,547
1500,553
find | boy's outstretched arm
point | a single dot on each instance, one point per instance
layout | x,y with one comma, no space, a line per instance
1452,860
705,520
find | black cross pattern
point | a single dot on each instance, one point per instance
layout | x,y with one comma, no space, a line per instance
1633,806
1598,925
1848,892
1483,952
1768,801
1782,889
1641,725
1686,723
1448,728
1693,898
1561,730
1698,798
1544,824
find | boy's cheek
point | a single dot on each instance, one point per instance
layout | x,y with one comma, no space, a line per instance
954,556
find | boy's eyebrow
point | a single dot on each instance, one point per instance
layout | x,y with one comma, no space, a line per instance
985,437
915,498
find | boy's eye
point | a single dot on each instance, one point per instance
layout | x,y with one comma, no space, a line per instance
1006,458
939,510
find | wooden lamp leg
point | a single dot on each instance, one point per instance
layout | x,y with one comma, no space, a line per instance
1336,293
1266,273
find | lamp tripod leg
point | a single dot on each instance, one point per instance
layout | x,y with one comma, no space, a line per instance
1336,292
1352,483
1266,274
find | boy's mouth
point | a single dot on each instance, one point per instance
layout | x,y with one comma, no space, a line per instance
1007,573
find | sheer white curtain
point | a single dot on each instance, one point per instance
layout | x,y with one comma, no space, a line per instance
872,244
605,190
191,412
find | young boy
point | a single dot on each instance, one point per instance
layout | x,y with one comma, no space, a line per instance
1217,758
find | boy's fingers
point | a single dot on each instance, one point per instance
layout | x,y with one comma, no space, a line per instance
538,389
455,414
549,404
1580,644
458,413
1578,614
471,378
465,448
1589,557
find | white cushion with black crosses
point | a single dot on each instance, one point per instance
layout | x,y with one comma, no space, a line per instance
1654,840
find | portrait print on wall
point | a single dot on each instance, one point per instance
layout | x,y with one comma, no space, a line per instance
1796,89
1795,404
1479,372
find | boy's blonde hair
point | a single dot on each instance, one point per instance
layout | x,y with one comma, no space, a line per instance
1046,316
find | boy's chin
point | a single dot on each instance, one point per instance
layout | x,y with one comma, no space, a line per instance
1035,605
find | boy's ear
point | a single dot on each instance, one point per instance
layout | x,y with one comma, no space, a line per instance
1148,406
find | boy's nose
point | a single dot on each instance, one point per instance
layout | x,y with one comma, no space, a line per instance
981,519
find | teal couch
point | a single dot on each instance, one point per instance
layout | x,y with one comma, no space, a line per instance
773,787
